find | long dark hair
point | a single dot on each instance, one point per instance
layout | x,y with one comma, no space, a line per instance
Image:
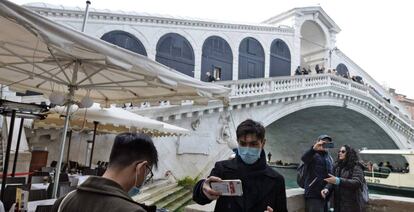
351,159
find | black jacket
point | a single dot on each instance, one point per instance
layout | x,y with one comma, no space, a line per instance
347,193
100,194
262,187
318,165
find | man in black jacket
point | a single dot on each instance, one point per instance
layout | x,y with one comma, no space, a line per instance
263,187
319,165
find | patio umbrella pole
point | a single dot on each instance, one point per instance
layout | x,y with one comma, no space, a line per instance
93,142
62,149
6,160
19,137
70,141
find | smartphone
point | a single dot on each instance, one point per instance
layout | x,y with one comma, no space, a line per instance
328,145
228,187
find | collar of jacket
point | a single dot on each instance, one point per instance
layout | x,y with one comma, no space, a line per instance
109,187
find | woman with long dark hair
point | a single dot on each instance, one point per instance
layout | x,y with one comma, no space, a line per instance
347,183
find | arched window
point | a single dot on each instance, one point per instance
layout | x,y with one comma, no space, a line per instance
174,51
251,59
342,69
279,59
125,40
217,59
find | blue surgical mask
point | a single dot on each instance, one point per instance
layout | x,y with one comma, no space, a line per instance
134,191
249,155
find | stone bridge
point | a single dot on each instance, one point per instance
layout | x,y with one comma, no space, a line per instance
294,111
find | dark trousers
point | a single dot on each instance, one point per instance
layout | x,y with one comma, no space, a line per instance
315,205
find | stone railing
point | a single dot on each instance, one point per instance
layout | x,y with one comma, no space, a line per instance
353,90
252,87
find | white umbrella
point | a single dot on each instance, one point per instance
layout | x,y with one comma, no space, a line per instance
112,120
108,120
41,55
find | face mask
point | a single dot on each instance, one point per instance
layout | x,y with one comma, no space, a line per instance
249,155
136,189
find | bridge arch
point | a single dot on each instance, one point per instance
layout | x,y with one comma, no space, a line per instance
125,40
342,69
217,58
280,59
333,102
175,51
313,44
251,59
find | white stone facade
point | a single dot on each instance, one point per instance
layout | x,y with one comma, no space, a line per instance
214,125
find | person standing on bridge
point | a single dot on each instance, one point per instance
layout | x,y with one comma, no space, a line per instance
319,165
263,187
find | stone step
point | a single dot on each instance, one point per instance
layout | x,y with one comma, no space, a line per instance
162,195
155,184
180,202
153,192
172,198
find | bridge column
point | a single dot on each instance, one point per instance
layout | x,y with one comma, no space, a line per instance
267,63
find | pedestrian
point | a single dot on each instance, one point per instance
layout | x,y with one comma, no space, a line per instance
347,182
298,71
317,69
269,156
319,165
209,77
130,166
263,187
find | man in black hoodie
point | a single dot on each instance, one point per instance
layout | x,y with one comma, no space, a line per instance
263,187
130,163
319,165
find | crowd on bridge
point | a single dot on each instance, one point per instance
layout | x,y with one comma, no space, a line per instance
320,69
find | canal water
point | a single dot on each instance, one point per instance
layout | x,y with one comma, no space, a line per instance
290,180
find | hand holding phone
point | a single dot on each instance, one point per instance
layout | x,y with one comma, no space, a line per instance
228,187
328,145
208,191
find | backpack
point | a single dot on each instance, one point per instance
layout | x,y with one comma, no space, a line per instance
301,175
364,193
364,197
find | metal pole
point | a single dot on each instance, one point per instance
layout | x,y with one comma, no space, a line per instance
6,160
65,128
62,149
85,18
70,141
93,142
19,137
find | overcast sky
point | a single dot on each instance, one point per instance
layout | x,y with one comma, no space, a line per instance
377,35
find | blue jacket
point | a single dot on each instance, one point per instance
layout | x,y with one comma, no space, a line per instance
318,166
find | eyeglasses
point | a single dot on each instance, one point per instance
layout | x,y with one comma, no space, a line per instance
342,151
150,175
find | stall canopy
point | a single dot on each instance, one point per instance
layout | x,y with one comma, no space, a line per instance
111,120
